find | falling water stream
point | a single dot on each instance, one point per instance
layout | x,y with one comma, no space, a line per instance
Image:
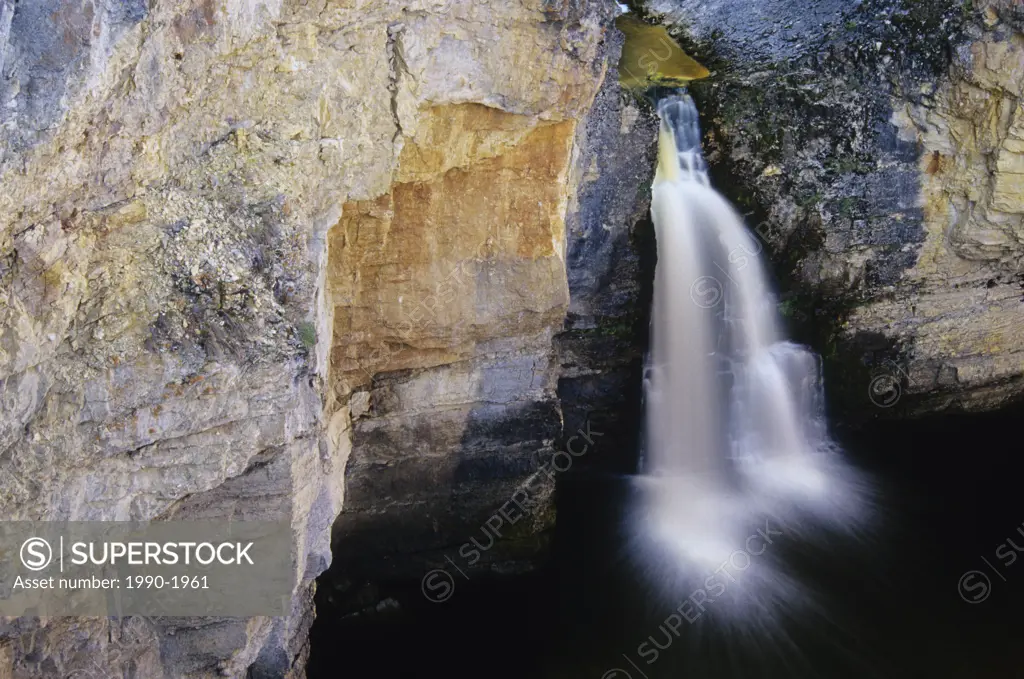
735,423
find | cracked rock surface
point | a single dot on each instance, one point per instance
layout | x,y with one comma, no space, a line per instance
247,245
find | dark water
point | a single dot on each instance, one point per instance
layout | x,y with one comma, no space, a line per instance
892,603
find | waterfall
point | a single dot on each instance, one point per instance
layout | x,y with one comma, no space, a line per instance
735,424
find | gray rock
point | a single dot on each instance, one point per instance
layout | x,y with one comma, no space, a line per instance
843,131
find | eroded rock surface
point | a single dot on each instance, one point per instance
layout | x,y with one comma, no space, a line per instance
247,245
448,290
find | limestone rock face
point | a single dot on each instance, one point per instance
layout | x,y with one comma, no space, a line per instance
448,290
876,147
247,245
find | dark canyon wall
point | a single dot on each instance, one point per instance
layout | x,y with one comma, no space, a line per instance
874,146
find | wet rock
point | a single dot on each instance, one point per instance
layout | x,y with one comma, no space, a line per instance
872,145
611,267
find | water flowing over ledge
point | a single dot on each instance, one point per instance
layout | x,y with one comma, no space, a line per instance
735,428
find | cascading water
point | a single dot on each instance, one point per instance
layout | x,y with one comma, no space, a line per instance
735,423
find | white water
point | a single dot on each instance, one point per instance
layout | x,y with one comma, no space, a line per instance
736,431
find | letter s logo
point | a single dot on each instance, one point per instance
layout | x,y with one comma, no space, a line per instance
438,586
36,554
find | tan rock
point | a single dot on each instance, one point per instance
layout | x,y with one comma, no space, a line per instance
223,198
423,274
967,314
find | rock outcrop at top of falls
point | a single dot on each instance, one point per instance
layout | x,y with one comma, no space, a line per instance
876,147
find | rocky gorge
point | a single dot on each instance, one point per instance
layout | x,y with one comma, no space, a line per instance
368,266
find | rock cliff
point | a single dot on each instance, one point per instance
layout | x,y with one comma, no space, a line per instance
873,145
247,246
